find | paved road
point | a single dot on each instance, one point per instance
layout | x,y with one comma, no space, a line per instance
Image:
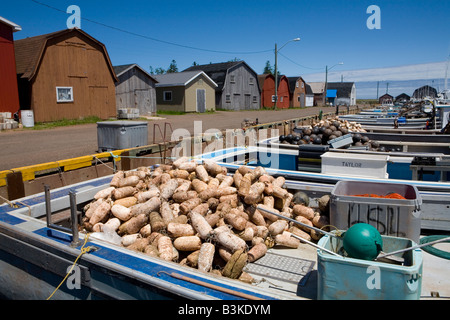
24,147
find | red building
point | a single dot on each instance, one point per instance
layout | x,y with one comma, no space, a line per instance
283,93
267,85
9,96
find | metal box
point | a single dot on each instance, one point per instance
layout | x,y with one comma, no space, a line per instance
344,278
367,165
118,135
392,217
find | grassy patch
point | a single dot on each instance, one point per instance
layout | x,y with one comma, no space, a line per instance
63,123
170,112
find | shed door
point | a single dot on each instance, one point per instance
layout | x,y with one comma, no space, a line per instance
201,100
99,102
302,100
247,102
142,101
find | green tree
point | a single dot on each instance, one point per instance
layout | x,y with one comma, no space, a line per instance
173,67
160,71
268,68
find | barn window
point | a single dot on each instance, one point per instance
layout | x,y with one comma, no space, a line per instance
251,80
64,94
167,95
232,79
228,98
255,99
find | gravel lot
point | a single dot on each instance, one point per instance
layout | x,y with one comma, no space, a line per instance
24,147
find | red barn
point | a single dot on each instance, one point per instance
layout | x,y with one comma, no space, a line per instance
267,85
283,93
9,96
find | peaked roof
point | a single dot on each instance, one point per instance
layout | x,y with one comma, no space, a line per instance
29,52
180,78
402,95
317,87
308,89
217,71
119,70
344,89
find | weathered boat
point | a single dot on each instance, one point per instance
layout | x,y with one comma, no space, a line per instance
40,243
317,171
36,254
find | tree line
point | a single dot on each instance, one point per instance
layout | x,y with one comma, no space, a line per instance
268,68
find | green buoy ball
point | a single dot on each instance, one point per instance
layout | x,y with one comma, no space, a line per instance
362,241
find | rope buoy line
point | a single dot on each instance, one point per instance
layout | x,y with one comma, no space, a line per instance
83,250
432,250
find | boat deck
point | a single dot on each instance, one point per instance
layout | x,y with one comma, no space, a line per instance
111,271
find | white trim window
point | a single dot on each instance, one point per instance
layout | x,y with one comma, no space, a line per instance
167,95
64,94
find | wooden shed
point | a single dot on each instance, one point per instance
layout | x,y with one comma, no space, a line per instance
345,93
267,85
65,75
402,98
188,91
9,95
425,92
386,99
318,89
136,89
283,93
237,84
298,92
309,96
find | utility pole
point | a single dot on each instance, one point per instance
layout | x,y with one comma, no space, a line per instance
276,76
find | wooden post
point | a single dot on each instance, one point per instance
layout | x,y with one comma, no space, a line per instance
14,182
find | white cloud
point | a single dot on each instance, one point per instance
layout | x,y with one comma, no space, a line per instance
434,70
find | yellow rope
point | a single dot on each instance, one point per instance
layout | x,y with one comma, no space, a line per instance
83,251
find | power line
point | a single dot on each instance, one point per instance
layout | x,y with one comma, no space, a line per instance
298,63
151,38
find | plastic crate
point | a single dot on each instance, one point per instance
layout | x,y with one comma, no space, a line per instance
367,165
344,278
118,135
392,217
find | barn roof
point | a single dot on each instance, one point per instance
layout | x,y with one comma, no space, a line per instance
424,91
344,89
119,70
317,87
218,71
180,78
308,89
262,78
29,52
402,95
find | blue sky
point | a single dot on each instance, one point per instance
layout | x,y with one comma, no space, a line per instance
412,32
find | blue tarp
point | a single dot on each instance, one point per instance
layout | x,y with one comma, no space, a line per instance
331,93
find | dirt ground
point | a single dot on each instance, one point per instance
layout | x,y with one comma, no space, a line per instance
25,147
